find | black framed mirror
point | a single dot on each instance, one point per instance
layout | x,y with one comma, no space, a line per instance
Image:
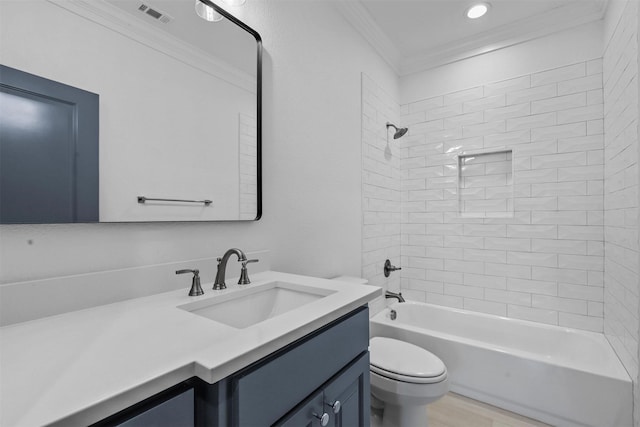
179,120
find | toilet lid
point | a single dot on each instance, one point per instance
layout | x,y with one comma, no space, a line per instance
403,361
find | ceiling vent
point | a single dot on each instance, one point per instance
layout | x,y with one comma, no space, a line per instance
155,13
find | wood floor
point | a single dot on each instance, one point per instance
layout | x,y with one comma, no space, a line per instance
454,410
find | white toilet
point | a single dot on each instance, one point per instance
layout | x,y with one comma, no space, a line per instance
405,378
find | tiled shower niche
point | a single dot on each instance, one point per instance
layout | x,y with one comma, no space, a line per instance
485,184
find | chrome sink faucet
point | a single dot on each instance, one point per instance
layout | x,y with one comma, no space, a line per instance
222,267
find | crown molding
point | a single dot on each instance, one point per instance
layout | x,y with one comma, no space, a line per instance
360,19
112,17
543,24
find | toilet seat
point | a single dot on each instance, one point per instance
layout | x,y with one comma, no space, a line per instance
405,362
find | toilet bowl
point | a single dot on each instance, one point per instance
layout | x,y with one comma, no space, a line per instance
405,378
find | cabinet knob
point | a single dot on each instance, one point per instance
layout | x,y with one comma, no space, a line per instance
335,406
324,418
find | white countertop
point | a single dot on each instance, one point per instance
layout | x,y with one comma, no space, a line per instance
80,367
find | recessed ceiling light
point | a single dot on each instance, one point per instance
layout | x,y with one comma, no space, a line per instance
206,12
477,10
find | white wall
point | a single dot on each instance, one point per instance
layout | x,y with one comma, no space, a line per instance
545,263
313,148
622,250
311,179
381,185
540,258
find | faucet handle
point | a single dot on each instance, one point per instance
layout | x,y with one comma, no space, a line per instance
196,289
388,268
244,273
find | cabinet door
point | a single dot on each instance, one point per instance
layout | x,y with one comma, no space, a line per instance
263,393
346,397
308,414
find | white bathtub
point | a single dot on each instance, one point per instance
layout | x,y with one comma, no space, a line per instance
560,376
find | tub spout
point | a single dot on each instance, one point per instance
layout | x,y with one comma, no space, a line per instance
389,294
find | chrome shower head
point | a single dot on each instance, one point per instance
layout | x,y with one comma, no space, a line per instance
399,133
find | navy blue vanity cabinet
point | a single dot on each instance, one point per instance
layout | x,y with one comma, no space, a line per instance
175,412
173,407
332,362
342,402
323,374
309,413
347,395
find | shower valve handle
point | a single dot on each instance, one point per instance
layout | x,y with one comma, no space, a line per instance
388,268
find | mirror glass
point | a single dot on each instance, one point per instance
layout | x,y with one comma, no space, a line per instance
179,101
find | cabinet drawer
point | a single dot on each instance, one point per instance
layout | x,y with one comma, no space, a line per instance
264,392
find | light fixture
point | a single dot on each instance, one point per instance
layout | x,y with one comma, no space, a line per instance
477,10
206,12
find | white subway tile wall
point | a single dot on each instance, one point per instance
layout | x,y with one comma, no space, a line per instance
545,263
248,160
621,259
382,184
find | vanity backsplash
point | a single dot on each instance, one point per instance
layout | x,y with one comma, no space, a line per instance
29,300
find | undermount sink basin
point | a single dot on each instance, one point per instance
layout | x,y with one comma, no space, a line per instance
253,305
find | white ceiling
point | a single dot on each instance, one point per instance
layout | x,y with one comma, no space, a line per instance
419,34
